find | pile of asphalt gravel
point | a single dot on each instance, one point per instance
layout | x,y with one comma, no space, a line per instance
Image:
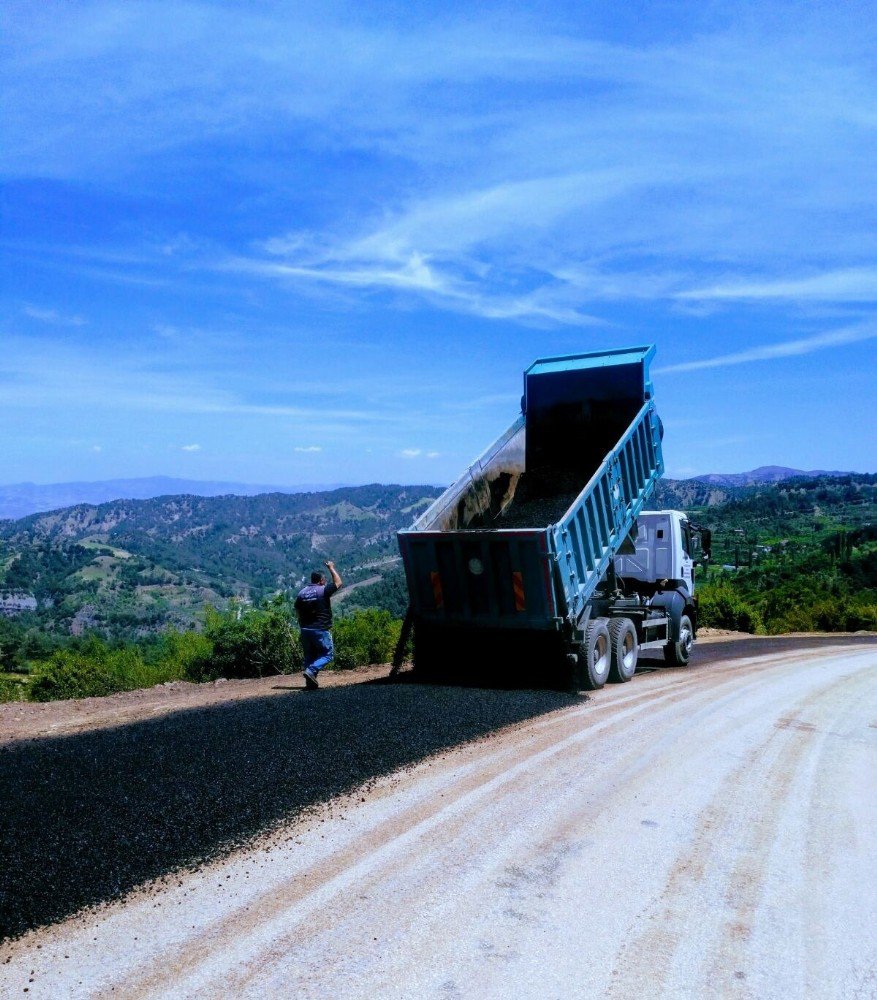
536,513
87,817
542,498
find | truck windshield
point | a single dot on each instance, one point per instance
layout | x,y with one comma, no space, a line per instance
690,540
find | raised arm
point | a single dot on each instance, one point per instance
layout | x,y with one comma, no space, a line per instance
336,579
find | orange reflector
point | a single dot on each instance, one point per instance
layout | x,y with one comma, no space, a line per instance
518,584
437,591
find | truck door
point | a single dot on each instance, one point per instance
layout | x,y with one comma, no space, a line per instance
686,556
654,550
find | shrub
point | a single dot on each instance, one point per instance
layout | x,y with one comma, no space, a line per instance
862,617
254,643
187,653
797,619
721,606
14,687
365,637
73,673
841,614
95,670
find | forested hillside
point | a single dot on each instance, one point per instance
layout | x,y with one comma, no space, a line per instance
800,555
134,566
795,555
131,593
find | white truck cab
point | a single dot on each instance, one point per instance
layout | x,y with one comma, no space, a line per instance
654,571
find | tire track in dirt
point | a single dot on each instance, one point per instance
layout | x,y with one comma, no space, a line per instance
635,775
540,742
764,775
445,821
522,813
841,808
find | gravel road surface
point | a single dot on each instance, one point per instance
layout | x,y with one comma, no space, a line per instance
709,832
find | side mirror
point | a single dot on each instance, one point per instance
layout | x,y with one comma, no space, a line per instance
706,543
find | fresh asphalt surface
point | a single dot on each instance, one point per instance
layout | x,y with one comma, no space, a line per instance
725,759
87,817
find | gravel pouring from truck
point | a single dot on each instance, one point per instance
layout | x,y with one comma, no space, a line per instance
541,552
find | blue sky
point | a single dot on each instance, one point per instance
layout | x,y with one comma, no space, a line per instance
293,243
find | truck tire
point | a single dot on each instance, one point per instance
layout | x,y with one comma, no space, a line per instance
596,655
679,653
625,649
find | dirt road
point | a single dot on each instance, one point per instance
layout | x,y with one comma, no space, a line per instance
700,833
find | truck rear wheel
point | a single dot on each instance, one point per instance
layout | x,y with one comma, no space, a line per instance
679,653
625,649
597,653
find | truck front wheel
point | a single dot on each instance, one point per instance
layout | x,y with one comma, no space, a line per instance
597,653
679,653
625,649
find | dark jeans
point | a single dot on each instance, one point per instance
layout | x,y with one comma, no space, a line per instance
318,648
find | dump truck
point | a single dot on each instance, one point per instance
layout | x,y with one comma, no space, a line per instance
542,555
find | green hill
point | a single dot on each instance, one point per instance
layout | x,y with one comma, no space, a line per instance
133,566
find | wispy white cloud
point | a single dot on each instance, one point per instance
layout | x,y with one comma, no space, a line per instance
439,248
52,317
480,401
167,331
852,284
410,452
309,450
440,282
191,447
725,442
132,383
530,179
785,349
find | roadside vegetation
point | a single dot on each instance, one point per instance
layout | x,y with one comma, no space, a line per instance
795,556
235,643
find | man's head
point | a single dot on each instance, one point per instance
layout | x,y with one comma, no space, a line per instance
317,577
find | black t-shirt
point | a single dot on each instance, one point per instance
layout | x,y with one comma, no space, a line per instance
313,607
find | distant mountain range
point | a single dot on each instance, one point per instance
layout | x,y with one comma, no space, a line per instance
137,565
132,567
763,474
21,499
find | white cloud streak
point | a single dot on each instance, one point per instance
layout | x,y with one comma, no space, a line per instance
52,317
420,277
191,447
529,179
854,284
76,379
786,349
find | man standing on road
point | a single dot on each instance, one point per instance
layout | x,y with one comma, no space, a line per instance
315,620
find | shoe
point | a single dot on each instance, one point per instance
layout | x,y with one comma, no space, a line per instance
310,681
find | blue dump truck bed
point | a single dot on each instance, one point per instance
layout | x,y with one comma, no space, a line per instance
524,537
